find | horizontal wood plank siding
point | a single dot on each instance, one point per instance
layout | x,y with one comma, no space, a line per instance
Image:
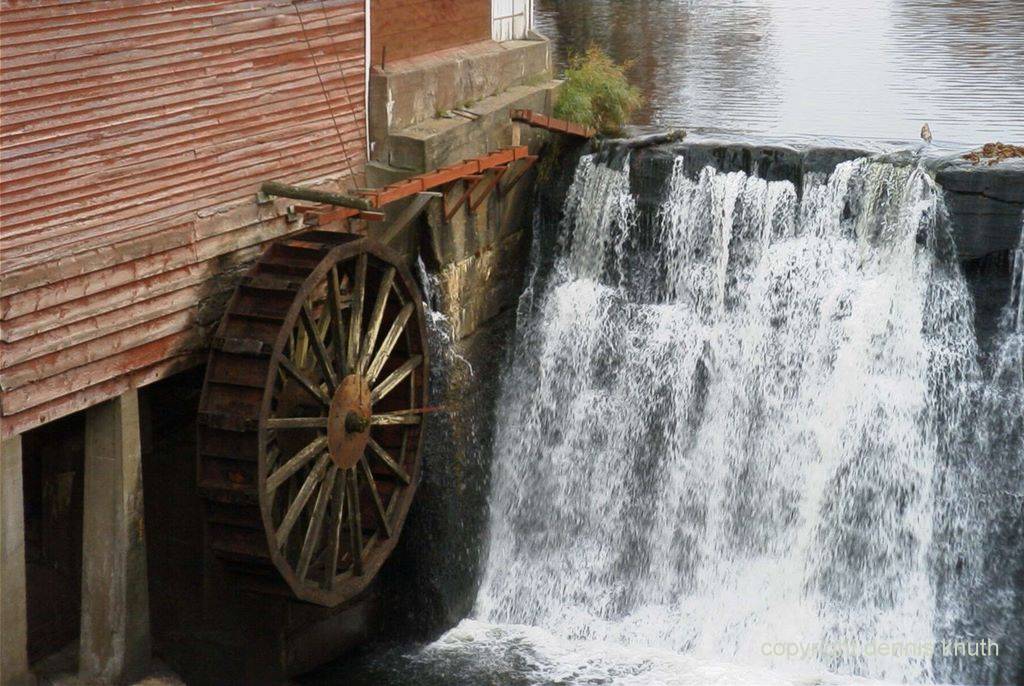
409,28
133,137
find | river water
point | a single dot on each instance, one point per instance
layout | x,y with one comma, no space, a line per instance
867,69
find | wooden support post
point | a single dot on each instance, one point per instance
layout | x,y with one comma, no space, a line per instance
14,670
488,187
528,162
283,190
372,216
115,641
407,215
344,214
471,182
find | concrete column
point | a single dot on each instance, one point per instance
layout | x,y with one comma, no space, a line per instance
13,619
115,641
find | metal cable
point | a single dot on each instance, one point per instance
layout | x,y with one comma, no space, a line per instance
323,88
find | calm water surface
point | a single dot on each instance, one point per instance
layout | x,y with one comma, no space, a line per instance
870,69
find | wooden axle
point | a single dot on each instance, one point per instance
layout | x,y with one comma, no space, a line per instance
368,207
283,190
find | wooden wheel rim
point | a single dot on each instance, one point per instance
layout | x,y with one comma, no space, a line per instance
346,519
240,449
340,477
245,393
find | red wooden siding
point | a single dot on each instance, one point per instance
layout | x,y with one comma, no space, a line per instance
408,28
133,137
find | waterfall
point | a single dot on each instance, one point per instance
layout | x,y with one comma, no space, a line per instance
758,416
1016,307
439,327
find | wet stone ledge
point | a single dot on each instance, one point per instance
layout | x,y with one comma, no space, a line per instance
985,203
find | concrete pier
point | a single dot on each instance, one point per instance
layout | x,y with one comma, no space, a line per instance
115,638
14,669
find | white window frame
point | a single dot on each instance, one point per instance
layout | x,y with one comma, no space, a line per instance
511,19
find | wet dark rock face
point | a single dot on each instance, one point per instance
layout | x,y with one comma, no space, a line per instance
985,203
986,207
431,581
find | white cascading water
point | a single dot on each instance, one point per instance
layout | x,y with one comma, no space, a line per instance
749,445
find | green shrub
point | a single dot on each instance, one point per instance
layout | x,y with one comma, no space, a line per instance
596,93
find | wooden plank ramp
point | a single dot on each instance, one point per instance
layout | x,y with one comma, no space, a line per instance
543,121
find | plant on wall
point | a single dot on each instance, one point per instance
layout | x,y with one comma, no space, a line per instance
597,93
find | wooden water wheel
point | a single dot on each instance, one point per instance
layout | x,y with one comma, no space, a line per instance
310,426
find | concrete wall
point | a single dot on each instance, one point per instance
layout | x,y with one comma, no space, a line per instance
475,265
420,98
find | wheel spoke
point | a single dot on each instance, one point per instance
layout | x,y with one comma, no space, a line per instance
316,522
375,318
389,342
377,504
323,321
318,348
337,327
355,321
273,455
301,379
405,446
295,509
355,524
409,417
297,423
334,533
296,462
300,348
395,378
389,461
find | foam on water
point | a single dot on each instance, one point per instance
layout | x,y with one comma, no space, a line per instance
539,657
773,425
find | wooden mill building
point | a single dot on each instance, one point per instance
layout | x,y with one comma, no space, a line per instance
135,136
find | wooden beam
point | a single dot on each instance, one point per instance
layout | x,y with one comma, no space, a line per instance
406,217
542,121
471,182
443,176
283,190
323,218
488,187
528,162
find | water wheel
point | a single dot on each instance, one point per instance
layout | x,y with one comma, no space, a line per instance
311,416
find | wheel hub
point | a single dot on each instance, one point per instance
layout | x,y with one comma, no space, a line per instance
348,422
